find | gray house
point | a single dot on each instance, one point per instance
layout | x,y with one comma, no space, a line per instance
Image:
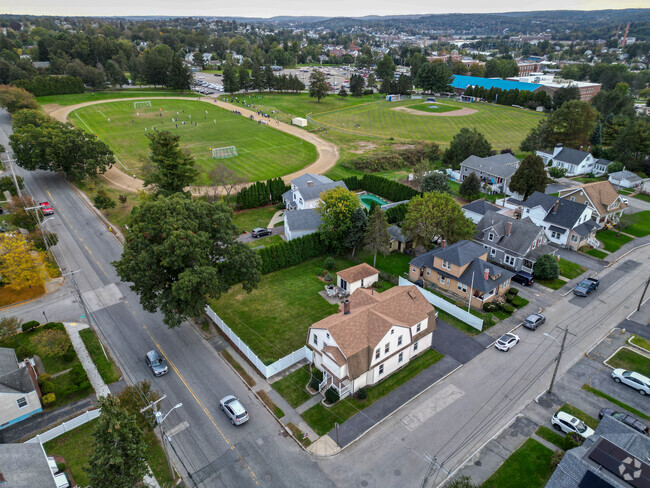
495,172
306,190
27,466
477,209
615,456
299,223
511,243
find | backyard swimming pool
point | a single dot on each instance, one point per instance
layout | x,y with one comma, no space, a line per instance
369,197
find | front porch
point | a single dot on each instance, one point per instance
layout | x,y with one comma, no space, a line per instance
330,381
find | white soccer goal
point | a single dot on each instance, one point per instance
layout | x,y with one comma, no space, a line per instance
224,152
141,104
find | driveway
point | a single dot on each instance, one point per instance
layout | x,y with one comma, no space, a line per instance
450,341
246,238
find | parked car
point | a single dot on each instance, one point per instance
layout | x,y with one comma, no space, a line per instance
626,419
585,287
46,208
565,422
156,362
233,409
260,231
523,278
633,379
534,320
506,342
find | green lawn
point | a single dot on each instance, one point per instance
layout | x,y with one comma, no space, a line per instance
274,318
263,152
265,241
597,253
633,361
612,240
427,107
247,220
626,191
641,342
75,98
292,387
587,419
394,263
322,419
105,365
615,401
570,270
459,324
552,284
642,196
637,224
564,442
528,466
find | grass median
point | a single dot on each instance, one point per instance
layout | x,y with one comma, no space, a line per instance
100,356
528,466
632,361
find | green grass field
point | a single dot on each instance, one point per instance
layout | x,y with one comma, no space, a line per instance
428,107
73,99
529,466
262,151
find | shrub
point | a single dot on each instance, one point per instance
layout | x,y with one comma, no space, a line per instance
577,439
518,302
85,385
513,290
331,395
290,253
43,377
509,297
69,354
69,390
78,374
47,387
314,384
546,267
48,399
320,272
61,467
490,307
22,352
328,277
507,308
362,394
556,172
51,325
30,325
330,263
317,373
280,206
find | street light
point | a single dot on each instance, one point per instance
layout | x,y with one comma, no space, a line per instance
159,421
549,335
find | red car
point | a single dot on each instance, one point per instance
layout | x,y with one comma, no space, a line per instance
46,208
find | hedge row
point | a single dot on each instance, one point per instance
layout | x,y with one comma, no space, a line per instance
292,252
52,85
261,193
385,188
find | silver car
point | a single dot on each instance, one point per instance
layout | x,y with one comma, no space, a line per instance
234,410
156,363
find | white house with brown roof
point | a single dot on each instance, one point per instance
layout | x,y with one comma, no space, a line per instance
360,276
603,199
376,335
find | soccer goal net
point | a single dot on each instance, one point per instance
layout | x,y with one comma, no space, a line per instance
144,104
224,152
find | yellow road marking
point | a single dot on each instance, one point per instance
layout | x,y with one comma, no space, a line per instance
205,410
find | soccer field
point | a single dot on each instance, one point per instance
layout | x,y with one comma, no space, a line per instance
263,152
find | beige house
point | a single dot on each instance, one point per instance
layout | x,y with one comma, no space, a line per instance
463,270
606,204
20,396
360,276
377,334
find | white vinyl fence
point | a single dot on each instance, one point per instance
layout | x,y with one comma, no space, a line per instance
450,308
267,371
66,426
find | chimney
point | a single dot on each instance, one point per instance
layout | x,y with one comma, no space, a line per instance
581,148
589,149
310,183
555,207
486,274
559,144
346,307
509,228
443,245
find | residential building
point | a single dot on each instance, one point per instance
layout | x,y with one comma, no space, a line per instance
566,223
625,179
306,190
398,241
615,456
20,396
512,243
606,204
360,276
575,162
376,335
495,172
299,223
463,270
477,209
28,466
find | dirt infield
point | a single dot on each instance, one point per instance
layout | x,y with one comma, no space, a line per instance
455,113
328,153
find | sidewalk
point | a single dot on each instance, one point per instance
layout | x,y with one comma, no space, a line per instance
73,329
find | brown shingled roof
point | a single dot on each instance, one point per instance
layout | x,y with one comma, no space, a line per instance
601,194
355,273
336,354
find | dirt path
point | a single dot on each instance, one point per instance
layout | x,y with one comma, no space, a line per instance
455,113
328,153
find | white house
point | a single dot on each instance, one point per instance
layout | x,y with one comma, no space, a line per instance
19,392
377,334
625,179
306,190
360,276
299,223
573,161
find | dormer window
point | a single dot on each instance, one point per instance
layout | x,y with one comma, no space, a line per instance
315,340
328,335
490,236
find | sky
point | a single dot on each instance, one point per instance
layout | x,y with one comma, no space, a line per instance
270,8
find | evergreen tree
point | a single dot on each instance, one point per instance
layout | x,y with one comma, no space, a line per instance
470,187
358,224
257,75
230,82
318,85
180,76
466,143
529,177
435,181
356,85
172,168
269,77
243,78
377,237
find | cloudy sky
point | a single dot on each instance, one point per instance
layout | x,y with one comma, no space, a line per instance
269,8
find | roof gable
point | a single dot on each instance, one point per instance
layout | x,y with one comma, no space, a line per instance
523,232
303,219
304,180
571,156
358,272
502,165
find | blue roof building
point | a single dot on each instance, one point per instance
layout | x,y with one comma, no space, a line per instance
462,82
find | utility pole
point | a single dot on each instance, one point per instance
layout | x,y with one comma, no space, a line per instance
557,363
643,294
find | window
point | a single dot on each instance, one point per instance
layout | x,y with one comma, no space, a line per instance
361,281
400,358
392,331
555,235
510,260
446,264
490,236
315,340
462,287
328,335
414,270
415,346
493,252
399,341
381,369
442,280
573,199
428,272
418,328
574,238
377,353
22,402
447,281
387,348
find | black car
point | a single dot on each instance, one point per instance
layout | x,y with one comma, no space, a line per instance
260,231
626,419
524,278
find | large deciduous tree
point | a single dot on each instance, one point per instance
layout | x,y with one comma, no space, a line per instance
434,77
21,265
226,178
179,252
529,177
336,208
357,83
318,85
466,143
377,237
172,168
385,68
436,215
118,457
435,181
13,99
632,145
572,124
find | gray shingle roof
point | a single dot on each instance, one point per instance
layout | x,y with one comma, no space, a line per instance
25,466
17,381
625,175
586,228
314,191
459,254
501,165
396,233
571,156
522,235
8,360
307,177
288,195
567,214
305,219
480,207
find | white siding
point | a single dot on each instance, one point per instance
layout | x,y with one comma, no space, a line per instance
9,408
392,340
366,283
338,371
